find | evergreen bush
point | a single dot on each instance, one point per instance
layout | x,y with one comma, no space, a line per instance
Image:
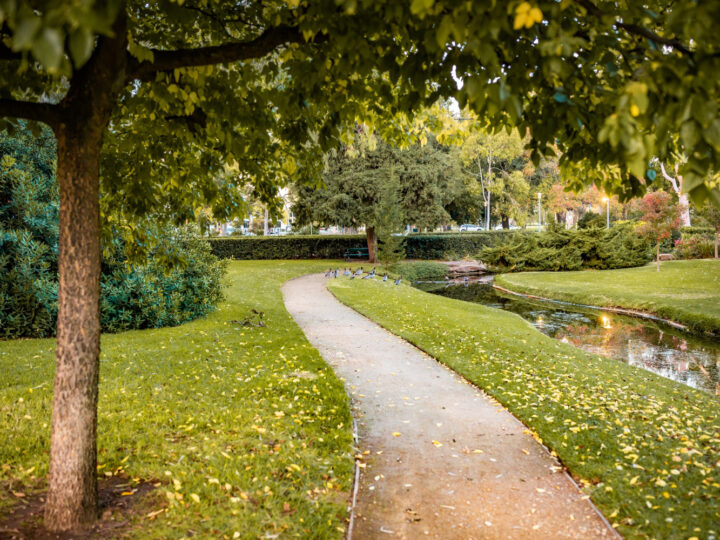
149,295
559,249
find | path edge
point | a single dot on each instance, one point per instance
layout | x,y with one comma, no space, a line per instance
356,439
547,450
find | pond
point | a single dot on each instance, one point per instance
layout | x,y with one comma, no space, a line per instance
672,353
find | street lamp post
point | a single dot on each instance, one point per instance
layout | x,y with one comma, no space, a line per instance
539,212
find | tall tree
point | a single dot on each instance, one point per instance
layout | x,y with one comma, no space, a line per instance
491,157
175,88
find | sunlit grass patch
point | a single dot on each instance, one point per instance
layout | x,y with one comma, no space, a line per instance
245,428
684,291
647,449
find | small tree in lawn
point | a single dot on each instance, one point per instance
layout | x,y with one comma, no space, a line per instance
711,215
660,217
389,217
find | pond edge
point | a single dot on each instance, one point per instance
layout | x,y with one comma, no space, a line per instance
622,311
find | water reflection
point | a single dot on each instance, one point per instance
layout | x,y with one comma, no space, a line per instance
692,360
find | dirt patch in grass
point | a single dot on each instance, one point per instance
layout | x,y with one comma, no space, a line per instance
120,501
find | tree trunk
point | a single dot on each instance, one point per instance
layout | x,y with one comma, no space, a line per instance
657,255
684,203
72,492
487,212
86,109
505,222
371,243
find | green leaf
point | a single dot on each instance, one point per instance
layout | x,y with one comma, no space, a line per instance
25,32
81,46
712,134
48,48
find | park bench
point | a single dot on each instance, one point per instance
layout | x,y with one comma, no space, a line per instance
356,253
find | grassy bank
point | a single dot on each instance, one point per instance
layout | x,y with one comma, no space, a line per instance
684,291
646,448
244,429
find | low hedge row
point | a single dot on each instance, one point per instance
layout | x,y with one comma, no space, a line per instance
417,246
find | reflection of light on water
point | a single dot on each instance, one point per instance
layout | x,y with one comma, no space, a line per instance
540,321
605,322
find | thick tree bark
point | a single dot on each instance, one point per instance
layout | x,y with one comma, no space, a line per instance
84,114
505,222
371,243
72,493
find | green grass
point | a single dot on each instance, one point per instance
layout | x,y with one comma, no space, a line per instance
246,429
684,291
647,449
420,270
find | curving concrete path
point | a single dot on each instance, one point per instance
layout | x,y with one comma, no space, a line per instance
441,459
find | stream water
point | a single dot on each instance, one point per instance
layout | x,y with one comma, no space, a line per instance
674,354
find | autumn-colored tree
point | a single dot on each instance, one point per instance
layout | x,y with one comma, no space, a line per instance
661,216
560,202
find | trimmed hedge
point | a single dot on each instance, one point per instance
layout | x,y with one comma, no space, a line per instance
417,246
285,247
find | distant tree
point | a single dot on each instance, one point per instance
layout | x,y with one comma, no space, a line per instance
491,158
661,216
511,193
710,214
676,182
561,202
354,185
389,221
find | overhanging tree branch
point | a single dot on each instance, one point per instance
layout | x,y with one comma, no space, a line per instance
266,42
41,112
638,30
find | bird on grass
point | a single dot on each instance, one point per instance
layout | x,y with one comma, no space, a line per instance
397,281
352,276
385,277
347,272
370,276
359,271
328,273
335,274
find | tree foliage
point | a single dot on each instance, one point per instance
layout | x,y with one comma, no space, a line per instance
661,216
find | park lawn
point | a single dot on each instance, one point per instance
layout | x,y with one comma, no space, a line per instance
684,291
646,449
245,429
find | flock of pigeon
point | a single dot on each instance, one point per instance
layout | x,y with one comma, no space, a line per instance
333,273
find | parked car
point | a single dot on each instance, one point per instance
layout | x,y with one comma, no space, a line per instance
470,227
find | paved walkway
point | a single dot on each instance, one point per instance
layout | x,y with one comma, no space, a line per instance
442,459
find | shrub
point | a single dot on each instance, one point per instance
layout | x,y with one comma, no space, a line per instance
694,246
420,270
417,246
156,293
152,294
560,249
591,220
